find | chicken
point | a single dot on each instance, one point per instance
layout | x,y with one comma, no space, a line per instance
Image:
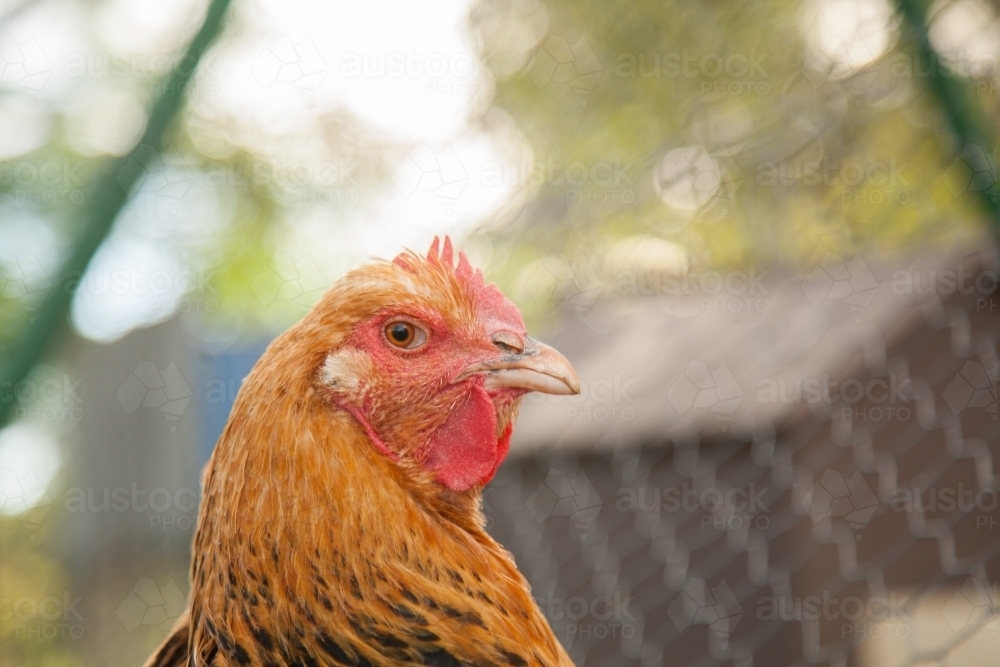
340,522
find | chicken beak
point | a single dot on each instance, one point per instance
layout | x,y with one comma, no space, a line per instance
537,367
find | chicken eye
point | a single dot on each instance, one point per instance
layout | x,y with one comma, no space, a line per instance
404,335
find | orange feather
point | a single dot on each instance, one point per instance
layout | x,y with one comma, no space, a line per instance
314,546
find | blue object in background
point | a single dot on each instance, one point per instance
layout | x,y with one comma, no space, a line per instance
222,375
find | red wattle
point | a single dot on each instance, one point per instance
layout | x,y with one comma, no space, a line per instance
464,450
502,448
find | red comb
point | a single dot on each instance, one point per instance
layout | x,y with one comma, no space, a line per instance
488,298
446,253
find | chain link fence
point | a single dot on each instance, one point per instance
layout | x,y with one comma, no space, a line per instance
861,529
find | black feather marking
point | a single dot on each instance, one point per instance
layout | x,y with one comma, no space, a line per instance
440,658
240,655
466,618
356,588
332,649
407,614
473,618
424,635
513,659
389,641
263,637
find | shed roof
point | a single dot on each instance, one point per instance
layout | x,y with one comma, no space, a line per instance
710,365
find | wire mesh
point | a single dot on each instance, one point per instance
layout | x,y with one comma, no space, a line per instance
846,535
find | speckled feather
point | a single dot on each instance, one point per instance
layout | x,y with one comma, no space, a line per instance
316,547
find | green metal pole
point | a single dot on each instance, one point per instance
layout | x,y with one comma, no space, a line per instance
955,95
110,192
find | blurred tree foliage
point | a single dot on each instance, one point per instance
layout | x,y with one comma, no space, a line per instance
40,618
728,134
786,152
